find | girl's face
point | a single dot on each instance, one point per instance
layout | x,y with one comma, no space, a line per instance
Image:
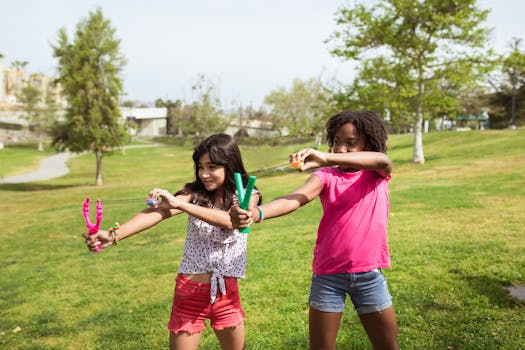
348,140
212,175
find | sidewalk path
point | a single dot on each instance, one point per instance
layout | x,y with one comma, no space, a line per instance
52,167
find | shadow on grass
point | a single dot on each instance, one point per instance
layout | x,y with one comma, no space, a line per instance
492,288
33,186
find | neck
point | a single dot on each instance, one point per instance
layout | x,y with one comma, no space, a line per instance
218,202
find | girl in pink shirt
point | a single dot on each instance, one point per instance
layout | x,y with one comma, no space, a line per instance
351,247
214,253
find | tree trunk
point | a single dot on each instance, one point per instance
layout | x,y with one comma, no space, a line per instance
40,143
98,181
418,157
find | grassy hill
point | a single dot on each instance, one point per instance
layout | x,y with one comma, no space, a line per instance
456,239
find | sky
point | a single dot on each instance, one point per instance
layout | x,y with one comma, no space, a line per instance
246,48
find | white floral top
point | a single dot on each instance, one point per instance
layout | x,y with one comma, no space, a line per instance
210,248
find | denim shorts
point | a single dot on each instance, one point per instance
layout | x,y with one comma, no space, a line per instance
368,291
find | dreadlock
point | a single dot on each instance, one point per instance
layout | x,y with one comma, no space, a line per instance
367,123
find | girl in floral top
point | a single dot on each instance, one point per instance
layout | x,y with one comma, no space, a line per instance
214,253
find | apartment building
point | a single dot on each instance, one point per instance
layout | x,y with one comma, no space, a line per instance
13,80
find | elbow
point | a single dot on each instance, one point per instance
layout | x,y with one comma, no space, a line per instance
384,166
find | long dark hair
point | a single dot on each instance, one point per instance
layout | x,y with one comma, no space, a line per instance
222,150
367,124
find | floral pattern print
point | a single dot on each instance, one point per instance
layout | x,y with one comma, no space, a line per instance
210,248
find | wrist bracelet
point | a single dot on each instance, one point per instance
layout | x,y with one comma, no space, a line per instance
261,214
113,231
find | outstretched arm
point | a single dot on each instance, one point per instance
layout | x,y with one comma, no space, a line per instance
212,216
145,219
310,158
279,206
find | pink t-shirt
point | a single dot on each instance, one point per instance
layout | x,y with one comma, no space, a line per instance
352,234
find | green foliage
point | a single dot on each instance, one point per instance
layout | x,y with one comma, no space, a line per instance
416,56
455,236
40,114
302,110
89,71
500,103
29,97
513,65
19,65
199,118
509,99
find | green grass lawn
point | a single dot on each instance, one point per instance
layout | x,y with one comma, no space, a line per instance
456,233
20,159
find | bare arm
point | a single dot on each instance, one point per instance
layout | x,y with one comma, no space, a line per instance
310,158
377,161
212,216
142,221
279,206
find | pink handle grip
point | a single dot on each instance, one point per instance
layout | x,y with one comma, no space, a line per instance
93,228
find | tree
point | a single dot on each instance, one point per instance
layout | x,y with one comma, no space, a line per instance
19,65
514,68
202,116
40,114
419,46
89,71
29,97
302,109
206,117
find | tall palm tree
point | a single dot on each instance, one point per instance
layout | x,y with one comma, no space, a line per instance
19,65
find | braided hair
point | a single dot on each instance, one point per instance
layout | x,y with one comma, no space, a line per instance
367,124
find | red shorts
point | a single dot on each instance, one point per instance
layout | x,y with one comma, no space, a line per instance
191,306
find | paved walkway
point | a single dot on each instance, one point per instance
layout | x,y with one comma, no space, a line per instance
52,167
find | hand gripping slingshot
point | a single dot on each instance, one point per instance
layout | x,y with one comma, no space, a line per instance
244,196
93,228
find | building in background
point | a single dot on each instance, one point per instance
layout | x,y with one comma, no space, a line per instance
146,122
13,127
13,80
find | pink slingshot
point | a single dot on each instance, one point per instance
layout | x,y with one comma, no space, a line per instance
93,228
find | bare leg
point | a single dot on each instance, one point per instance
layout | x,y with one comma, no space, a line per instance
381,328
323,329
232,338
184,341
